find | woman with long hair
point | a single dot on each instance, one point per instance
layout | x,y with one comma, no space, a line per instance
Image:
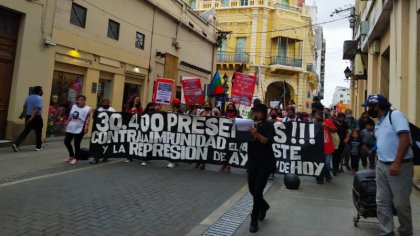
135,106
77,127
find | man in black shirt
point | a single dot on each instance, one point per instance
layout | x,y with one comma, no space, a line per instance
261,163
342,131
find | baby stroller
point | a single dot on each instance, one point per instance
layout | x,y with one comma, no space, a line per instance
364,195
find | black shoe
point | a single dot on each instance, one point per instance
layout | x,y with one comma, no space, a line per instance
348,168
335,173
202,166
320,181
329,179
197,165
104,160
263,212
341,169
253,227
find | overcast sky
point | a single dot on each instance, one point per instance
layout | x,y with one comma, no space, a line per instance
334,33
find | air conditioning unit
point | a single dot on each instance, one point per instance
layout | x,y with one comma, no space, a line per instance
364,27
359,68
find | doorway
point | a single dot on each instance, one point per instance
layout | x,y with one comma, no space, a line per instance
9,28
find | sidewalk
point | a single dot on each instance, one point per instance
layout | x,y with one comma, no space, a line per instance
320,210
30,163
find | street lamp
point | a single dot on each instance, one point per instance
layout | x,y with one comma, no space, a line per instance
347,72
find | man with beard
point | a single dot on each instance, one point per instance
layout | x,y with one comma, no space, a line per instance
394,171
342,131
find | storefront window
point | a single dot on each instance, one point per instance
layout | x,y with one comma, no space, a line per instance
130,91
104,91
65,88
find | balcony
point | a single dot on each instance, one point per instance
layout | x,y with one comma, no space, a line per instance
286,61
239,57
286,7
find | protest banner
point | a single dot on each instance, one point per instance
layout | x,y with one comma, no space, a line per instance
193,93
163,91
298,147
243,89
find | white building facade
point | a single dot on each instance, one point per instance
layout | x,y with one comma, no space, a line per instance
341,95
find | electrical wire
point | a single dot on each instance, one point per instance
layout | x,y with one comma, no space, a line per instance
138,27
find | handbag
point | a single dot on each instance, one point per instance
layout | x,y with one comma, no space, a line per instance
336,140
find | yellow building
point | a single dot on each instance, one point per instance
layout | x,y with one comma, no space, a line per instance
97,48
274,40
387,36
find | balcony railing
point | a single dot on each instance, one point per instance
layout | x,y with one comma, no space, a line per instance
286,7
286,61
232,57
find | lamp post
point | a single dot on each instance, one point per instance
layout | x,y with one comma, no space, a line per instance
347,72
225,90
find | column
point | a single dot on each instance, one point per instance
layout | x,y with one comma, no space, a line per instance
117,91
254,36
91,76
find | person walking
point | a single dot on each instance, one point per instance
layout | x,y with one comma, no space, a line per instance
208,111
328,127
260,163
342,131
355,145
176,108
77,127
33,119
394,170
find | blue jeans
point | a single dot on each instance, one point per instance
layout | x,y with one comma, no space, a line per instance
326,171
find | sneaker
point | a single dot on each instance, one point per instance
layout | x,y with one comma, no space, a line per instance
68,159
93,161
73,162
143,163
127,161
40,149
171,165
15,148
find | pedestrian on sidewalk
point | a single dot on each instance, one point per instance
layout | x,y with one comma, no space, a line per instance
355,145
77,126
33,119
261,163
394,170
328,127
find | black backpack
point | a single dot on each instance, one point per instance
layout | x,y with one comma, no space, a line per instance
415,140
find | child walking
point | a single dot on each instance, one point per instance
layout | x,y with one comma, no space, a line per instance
355,145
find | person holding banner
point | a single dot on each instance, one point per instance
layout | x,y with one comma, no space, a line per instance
261,163
291,114
135,106
77,127
208,111
176,108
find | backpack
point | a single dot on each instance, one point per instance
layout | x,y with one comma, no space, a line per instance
415,140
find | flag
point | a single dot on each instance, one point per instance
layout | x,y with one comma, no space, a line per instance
216,85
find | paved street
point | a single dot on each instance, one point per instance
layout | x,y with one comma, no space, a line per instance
127,199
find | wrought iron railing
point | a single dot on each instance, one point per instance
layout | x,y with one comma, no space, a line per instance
232,57
286,61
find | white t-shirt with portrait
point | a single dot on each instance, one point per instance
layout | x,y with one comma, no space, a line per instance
78,116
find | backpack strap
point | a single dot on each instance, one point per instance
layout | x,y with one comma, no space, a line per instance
389,116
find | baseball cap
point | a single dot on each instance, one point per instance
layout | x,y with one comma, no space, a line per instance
374,99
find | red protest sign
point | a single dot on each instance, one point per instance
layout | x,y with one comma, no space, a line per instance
193,94
243,89
163,91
